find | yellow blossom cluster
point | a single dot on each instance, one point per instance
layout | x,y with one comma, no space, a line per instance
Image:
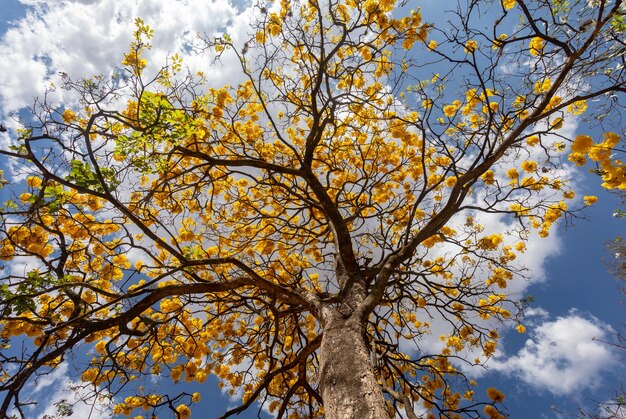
508,4
471,46
612,170
491,242
500,277
536,46
30,239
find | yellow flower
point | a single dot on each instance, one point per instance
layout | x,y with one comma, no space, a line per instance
499,41
471,46
529,166
274,27
557,123
520,328
183,411
577,107
508,4
101,346
579,159
569,194
33,181
599,154
543,86
488,177
536,46
90,375
582,144
554,102
449,110
492,412
495,395
512,173
451,181
531,141
610,139
490,347
490,242
590,199
176,373
134,60
195,397
69,116
432,44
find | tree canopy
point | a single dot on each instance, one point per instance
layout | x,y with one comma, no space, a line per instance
298,233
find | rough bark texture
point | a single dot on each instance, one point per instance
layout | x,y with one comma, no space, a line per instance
349,386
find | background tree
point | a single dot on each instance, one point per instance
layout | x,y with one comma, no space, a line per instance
296,234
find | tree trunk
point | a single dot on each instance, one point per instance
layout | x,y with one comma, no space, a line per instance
348,384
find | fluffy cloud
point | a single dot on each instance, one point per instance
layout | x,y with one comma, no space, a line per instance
88,37
563,356
57,387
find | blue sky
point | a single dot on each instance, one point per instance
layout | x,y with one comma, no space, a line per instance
574,297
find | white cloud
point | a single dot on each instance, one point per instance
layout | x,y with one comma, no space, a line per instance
88,37
535,314
57,386
562,356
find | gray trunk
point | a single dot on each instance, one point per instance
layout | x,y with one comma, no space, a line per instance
348,384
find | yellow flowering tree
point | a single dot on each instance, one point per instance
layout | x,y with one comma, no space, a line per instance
297,234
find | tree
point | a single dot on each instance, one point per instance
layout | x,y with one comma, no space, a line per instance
297,233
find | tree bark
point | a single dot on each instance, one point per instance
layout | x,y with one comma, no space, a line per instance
348,384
